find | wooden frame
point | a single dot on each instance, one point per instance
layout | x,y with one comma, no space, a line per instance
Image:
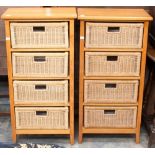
70,77
89,15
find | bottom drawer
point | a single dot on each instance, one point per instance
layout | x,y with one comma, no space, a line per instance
110,117
41,118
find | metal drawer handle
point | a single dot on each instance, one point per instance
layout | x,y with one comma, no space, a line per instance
38,28
41,113
40,87
39,58
112,58
113,29
110,85
109,112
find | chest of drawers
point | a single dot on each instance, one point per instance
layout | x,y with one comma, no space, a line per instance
40,57
113,45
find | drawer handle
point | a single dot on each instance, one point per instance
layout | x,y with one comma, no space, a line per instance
110,85
40,87
38,28
39,58
109,112
41,113
112,58
113,29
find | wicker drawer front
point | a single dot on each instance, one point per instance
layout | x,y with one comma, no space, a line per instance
112,63
110,117
41,92
113,35
110,91
39,35
41,118
40,64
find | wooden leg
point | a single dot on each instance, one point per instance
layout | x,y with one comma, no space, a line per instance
71,139
80,138
138,137
14,137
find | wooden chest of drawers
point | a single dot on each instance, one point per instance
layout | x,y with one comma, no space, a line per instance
40,56
112,66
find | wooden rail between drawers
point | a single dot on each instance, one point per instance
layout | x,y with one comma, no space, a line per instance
41,78
111,77
108,131
40,131
113,49
32,104
39,49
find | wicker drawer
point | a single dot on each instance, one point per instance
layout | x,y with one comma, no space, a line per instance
114,35
41,92
110,117
39,35
41,118
40,64
110,91
112,63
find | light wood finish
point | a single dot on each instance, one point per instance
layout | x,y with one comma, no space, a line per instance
110,104
111,15
96,14
38,78
41,15
111,77
22,104
10,80
39,49
108,131
71,85
141,86
24,132
81,86
113,49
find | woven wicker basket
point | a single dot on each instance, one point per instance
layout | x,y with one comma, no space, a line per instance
110,117
113,35
40,64
112,63
39,35
41,92
41,118
110,91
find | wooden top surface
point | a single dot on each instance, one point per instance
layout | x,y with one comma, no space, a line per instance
113,14
40,13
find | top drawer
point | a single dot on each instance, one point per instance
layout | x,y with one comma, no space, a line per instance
39,35
114,35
